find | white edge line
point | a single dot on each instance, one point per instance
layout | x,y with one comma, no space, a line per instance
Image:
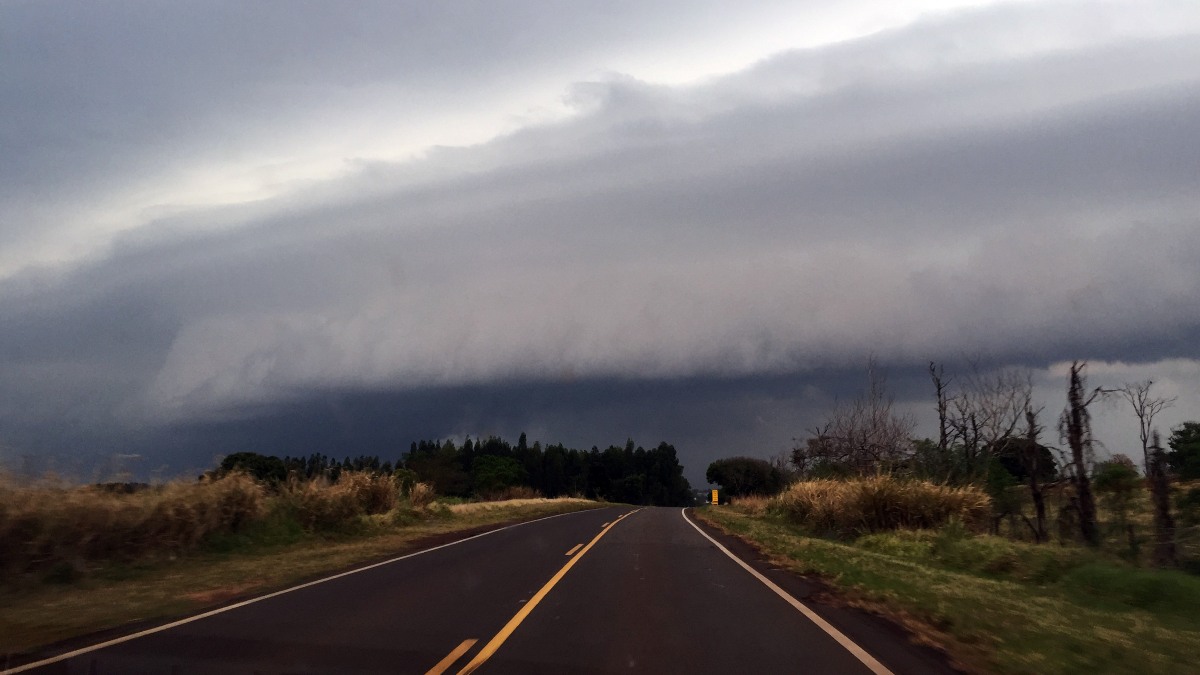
251,601
850,646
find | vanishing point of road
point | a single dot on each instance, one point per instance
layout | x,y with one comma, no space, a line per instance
610,590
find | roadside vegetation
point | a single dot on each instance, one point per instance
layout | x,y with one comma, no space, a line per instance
1013,555
78,559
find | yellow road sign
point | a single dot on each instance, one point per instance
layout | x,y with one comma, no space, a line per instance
714,497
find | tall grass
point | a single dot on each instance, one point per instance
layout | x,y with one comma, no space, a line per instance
49,526
879,503
50,530
324,505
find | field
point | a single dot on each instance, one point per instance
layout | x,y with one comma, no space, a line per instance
994,603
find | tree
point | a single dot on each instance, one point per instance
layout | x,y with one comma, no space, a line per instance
1117,481
976,419
862,437
266,468
492,473
1184,457
740,476
1146,407
1037,464
1160,496
1075,428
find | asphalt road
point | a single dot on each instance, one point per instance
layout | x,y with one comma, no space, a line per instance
606,591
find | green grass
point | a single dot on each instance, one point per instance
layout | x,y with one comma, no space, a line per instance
268,554
998,605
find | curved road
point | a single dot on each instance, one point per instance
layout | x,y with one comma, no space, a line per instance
611,590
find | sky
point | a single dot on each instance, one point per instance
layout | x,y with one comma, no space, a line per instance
296,227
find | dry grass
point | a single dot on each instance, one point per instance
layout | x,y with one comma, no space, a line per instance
322,505
753,504
47,526
421,495
476,507
878,503
52,531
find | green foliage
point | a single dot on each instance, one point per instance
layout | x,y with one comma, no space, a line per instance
1184,456
629,473
740,476
1159,591
998,605
954,547
491,474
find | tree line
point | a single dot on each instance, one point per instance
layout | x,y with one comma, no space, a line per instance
482,468
991,433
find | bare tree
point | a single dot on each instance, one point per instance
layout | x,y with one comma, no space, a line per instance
1146,407
987,410
941,387
1075,429
1031,458
1160,496
864,436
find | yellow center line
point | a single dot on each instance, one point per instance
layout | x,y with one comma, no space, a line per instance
574,548
453,656
494,644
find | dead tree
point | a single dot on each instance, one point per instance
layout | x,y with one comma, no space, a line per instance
1075,429
1160,497
863,437
941,386
1146,407
1031,457
987,411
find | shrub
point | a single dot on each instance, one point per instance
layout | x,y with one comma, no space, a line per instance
879,503
421,495
319,504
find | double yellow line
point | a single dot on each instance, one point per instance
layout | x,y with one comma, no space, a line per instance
490,648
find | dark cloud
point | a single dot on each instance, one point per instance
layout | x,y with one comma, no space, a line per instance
707,264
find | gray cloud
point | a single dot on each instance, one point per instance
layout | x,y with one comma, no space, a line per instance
997,181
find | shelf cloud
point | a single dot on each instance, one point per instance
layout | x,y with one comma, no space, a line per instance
220,222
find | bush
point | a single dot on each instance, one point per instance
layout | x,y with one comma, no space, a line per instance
320,505
421,495
879,503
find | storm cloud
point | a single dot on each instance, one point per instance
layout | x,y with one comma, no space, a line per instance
305,226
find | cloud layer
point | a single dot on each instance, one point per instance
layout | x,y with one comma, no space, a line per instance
1017,180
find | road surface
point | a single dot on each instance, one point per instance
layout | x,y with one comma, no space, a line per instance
612,590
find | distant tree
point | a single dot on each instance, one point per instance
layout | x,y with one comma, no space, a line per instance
862,437
493,473
1184,457
1146,408
740,476
266,468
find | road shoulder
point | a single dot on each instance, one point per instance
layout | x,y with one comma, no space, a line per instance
889,641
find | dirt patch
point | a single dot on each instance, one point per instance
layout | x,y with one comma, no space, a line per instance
222,595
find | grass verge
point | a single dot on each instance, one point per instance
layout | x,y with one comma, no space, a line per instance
996,605
271,556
